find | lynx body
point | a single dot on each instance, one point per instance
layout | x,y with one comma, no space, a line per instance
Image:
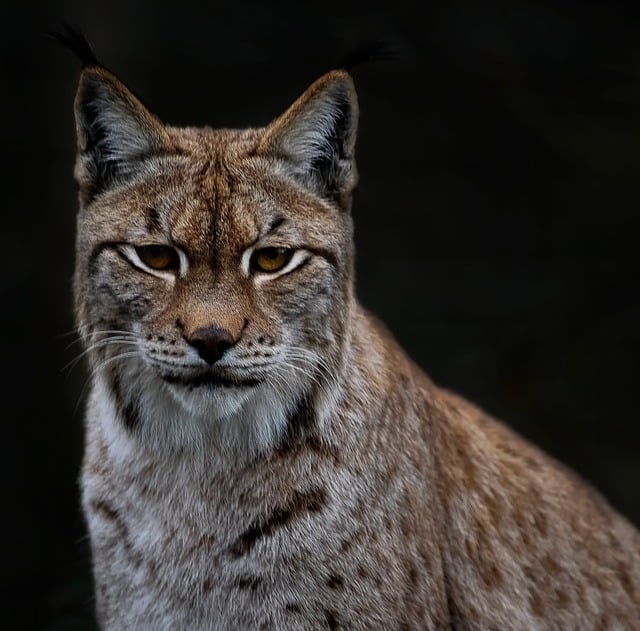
260,453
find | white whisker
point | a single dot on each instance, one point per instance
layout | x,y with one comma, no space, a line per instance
112,341
103,364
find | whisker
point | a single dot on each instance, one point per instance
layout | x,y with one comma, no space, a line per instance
121,333
66,333
305,353
314,378
103,364
113,341
311,360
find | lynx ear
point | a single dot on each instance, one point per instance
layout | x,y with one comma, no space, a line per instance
315,138
115,132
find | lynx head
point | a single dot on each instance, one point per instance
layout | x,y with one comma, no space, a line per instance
213,281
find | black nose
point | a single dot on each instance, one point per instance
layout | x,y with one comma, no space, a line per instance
211,342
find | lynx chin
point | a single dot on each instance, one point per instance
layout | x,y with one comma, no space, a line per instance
260,452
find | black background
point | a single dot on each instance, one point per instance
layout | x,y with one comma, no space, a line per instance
496,221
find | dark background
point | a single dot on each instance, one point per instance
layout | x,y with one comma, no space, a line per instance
496,221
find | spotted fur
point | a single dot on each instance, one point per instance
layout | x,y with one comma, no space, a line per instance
312,477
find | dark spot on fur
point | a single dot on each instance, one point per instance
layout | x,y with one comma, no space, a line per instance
495,509
275,223
492,576
388,524
292,608
456,617
153,220
303,416
332,619
130,416
111,514
625,580
301,504
335,582
413,575
300,434
128,412
249,582
106,510
206,541
471,615
324,450
315,499
550,565
536,603
204,168
561,597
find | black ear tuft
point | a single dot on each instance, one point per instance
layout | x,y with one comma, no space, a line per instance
368,51
77,43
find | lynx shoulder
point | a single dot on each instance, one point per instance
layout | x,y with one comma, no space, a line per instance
260,453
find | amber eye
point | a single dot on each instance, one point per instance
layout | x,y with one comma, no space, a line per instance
270,259
158,257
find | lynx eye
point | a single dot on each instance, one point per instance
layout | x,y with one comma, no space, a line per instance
270,259
158,257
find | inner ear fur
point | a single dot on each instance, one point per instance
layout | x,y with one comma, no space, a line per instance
115,132
316,136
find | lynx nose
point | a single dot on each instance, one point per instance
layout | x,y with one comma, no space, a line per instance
211,342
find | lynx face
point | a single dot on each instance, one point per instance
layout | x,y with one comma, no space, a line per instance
213,266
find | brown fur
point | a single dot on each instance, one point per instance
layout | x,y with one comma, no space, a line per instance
321,480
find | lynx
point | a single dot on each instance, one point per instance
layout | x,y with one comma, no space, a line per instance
260,452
